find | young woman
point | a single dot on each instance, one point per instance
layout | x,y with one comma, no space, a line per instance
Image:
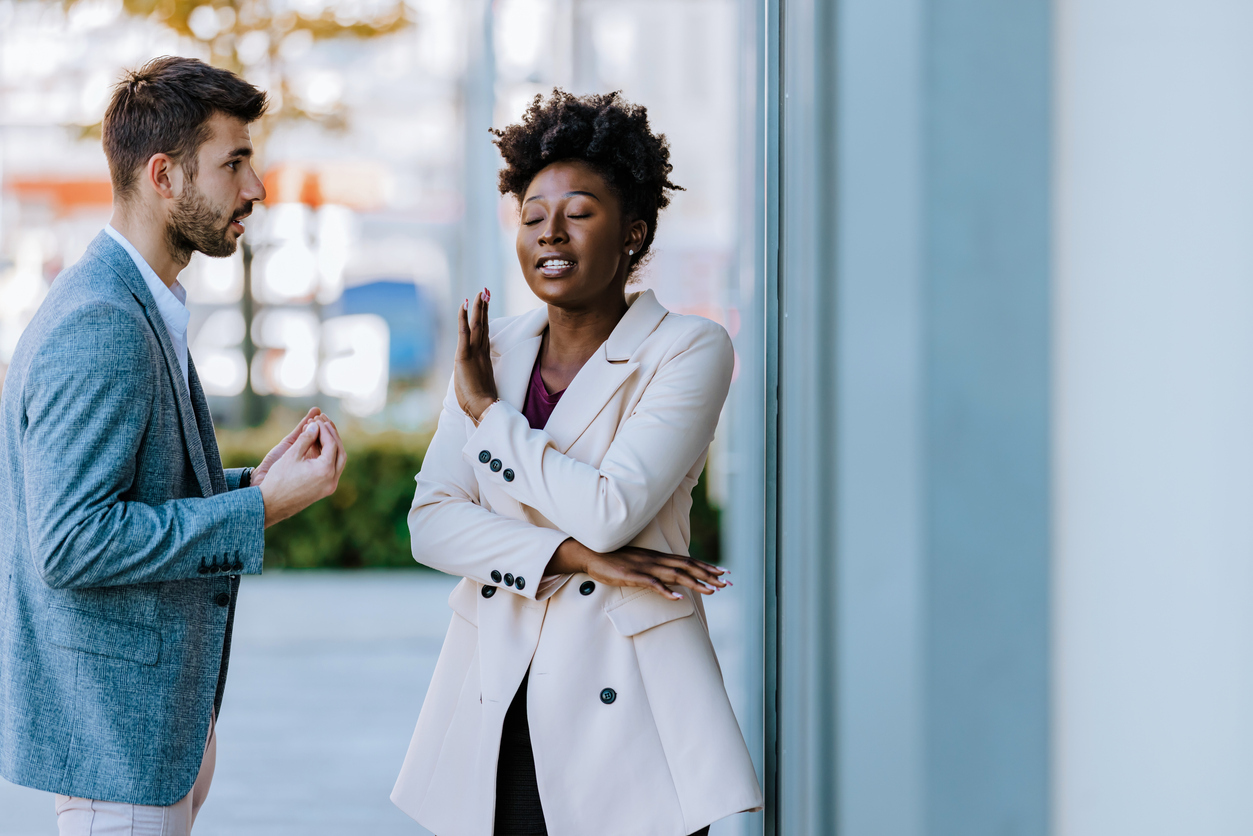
577,692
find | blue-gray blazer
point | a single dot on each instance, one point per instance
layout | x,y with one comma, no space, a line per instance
121,544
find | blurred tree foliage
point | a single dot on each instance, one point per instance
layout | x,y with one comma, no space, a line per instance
365,524
257,39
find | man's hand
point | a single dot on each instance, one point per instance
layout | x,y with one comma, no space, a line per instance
259,472
307,471
638,567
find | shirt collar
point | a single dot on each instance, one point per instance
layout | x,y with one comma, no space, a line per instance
171,301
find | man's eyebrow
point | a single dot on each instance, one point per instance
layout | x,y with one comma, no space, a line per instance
567,194
242,151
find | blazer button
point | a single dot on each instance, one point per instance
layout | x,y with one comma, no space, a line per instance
587,588
496,465
204,567
222,599
496,575
489,591
485,457
520,582
608,695
508,474
508,579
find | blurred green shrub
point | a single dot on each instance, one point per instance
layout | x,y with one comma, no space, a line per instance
365,523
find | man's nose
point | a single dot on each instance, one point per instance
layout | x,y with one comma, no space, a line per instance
255,190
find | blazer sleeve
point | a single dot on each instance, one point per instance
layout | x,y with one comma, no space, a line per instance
606,507
450,531
234,476
88,397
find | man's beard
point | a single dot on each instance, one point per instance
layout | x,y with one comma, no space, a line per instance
196,226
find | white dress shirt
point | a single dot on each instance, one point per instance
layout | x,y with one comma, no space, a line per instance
171,302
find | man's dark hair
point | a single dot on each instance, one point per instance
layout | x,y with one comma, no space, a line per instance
164,107
603,130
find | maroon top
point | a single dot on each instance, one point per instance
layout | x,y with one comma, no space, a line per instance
539,403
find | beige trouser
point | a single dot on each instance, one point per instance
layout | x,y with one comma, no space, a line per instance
85,817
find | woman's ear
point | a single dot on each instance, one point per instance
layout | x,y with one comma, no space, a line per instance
636,232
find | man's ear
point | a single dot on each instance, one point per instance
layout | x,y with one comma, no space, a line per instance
163,176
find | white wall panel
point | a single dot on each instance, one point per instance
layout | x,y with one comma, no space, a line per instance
1153,433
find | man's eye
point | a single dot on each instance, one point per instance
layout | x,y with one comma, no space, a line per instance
233,165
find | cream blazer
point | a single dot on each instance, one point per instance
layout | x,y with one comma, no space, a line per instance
631,727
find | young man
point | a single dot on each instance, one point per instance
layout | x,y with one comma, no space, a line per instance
122,539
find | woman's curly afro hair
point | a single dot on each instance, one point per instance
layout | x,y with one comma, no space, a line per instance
605,131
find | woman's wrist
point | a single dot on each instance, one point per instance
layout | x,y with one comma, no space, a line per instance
570,558
478,408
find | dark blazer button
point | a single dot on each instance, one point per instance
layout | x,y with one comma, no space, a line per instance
508,474
520,582
204,567
587,588
496,575
508,579
496,465
222,599
608,695
489,591
485,457
237,566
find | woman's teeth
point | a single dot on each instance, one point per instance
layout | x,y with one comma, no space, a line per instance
557,263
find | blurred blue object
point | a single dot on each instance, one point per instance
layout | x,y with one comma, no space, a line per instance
410,315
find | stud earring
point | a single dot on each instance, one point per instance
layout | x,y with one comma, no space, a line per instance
630,252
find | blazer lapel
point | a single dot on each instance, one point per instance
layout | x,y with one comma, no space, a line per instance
112,254
204,423
513,371
604,373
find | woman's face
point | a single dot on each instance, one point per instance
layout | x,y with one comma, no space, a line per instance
573,241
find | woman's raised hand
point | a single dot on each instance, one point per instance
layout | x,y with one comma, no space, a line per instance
632,566
473,379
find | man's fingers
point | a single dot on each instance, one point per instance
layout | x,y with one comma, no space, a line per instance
330,450
305,440
291,436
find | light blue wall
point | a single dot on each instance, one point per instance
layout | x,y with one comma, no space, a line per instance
907,552
987,142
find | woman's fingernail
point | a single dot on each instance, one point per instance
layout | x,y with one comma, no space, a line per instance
723,570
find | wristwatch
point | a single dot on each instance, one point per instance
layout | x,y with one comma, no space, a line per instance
245,478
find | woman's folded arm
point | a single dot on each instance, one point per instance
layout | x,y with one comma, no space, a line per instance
605,507
450,531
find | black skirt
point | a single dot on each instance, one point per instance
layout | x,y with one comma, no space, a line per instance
518,808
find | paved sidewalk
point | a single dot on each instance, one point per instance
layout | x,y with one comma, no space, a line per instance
327,676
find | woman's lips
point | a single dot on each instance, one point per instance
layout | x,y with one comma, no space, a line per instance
556,268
